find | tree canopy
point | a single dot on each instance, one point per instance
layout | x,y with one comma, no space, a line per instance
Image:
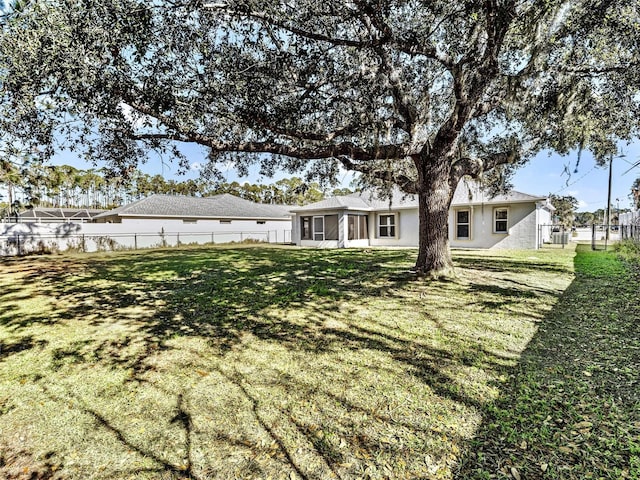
565,206
410,93
635,193
33,184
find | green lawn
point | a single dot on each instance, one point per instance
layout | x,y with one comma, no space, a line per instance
291,363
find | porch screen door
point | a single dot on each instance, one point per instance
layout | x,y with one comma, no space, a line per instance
318,229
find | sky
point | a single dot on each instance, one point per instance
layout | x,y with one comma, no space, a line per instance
547,173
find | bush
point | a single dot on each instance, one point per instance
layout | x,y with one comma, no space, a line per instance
629,250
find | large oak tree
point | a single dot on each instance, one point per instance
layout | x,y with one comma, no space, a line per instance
411,93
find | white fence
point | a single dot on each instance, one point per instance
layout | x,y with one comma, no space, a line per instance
23,239
630,225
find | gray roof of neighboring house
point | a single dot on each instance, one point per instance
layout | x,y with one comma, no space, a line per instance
218,206
467,193
59,213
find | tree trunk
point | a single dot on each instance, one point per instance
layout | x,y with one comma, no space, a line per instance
434,198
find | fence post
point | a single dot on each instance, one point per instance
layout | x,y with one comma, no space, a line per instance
593,236
135,241
19,247
539,242
212,237
178,239
241,238
84,246
563,232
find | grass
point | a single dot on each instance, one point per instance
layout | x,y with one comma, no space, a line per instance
571,407
257,362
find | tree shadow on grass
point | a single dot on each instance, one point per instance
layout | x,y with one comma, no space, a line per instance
571,407
226,295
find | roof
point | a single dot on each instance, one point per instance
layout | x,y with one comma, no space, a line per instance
218,206
467,193
471,193
60,213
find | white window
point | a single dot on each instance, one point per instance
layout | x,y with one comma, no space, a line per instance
463,224
386,226
318,229
501,220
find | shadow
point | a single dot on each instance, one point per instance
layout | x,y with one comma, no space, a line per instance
23,343
305,303
489,263
30,238
570,407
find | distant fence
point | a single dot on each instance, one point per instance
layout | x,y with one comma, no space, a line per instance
600,236
630,232
553,235
603,235
630,225
21,243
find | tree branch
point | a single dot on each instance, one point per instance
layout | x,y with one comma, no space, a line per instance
403,45
404,182
343,149
474,167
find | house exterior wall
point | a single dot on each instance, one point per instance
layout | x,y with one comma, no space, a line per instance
522,227
523,232
407,231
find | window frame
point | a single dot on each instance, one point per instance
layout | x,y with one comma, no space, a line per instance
495,220
457,223
391,226
361,228
308,220
313,228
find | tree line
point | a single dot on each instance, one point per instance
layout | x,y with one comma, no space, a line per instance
63,186
566,215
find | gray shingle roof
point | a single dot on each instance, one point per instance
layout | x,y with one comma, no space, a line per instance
467,193
470,193
218,206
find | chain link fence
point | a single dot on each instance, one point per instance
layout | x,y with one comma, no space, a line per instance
26,243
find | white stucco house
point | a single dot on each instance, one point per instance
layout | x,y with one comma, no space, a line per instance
158,220
476,220
223,215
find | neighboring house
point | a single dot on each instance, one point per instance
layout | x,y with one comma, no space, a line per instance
220,214
158,220
58,215
476,220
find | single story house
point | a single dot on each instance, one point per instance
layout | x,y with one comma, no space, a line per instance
476,220
225,215
158,220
